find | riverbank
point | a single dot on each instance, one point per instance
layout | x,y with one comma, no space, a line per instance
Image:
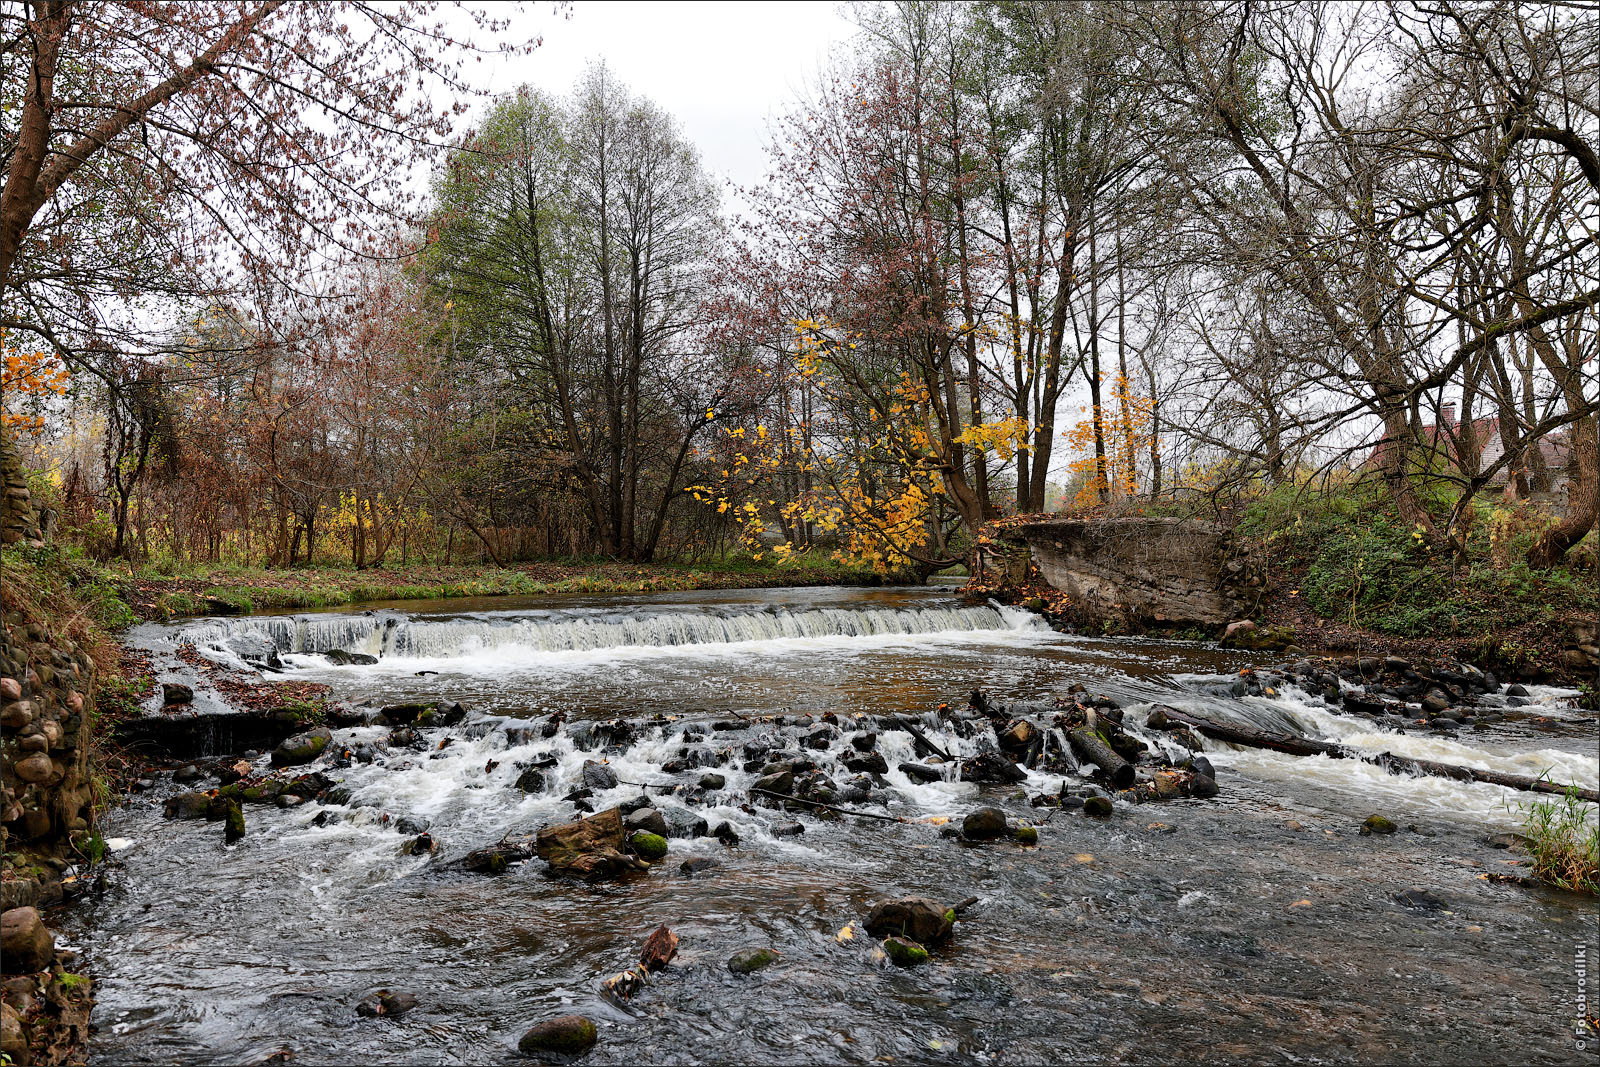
224,590
1331,571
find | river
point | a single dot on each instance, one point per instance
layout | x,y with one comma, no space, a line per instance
1259,926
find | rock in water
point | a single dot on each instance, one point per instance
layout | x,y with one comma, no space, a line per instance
985,824
1028,835
1422,900
991,767
565,1034
904,953
1098,807
589,848
648,846
187,806
25,941
922,920
598,776
497,857
385,1003
659,948
696,864
233,827
780,782
1511,841
749,960
1377,824
173,693
682,822
649,820
301,748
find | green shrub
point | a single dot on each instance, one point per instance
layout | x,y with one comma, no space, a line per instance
1564,842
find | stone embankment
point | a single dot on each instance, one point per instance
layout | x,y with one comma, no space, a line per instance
1161,571
46,810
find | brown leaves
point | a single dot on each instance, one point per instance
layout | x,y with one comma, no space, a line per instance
659,948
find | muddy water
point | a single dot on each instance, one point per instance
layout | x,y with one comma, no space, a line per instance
1254,927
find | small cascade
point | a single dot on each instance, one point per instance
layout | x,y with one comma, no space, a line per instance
395,634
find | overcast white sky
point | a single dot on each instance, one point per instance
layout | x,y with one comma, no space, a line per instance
721,68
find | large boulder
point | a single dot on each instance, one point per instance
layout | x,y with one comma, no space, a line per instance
589,848
922,920
302,748
25,941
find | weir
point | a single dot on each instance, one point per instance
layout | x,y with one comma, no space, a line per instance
391,634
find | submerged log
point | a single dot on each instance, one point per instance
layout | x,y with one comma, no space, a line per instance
1251,737
1092,748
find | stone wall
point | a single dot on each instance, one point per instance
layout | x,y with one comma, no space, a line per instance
45,703
1142,570
45,681
18,521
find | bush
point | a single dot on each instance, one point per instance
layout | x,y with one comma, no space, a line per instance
1565,843
1357,563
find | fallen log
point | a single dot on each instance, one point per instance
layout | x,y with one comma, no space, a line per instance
1251,737
1092,748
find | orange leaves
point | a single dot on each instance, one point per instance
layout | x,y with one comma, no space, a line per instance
30,379
1124,430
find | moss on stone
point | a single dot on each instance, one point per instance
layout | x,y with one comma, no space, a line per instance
648,846
903,952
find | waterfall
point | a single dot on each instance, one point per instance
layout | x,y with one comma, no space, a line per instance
395,634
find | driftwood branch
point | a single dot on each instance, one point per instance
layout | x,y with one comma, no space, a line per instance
922,741
830,807
1251,737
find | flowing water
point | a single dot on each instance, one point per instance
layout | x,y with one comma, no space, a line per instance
1255,927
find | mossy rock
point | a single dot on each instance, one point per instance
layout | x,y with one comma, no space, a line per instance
1377,824
566,1035
1265,639
903,952
233,828
648,846
1097,807
1028,835
265,793
302,748
749,960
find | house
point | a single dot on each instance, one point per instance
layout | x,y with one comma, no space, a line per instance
1448,437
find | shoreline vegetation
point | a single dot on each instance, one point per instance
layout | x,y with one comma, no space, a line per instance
223,590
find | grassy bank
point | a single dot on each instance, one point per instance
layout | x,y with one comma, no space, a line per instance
228,589
1346,572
